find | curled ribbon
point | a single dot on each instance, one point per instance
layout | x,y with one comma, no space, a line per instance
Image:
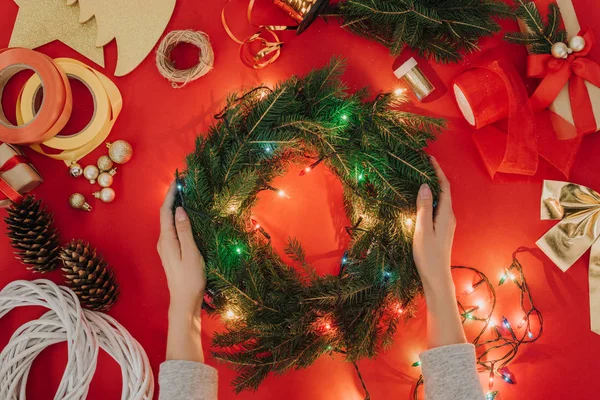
574,70
578,208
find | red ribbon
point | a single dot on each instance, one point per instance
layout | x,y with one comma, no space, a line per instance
574,70
528,136
5,188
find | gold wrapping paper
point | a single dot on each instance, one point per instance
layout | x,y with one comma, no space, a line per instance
23,178
578,209
562,104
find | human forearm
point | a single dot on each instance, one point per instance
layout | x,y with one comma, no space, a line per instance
184,337
444,326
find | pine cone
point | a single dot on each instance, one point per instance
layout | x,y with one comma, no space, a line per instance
32,233
89,276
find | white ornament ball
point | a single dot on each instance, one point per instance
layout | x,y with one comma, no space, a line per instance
577,43
105,179
75,170
560,50
120,151
91,173
107,195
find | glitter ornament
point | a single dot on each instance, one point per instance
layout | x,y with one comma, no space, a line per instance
560,50
104,163
91,173
120,151
107,195
577,44
77,201
75,170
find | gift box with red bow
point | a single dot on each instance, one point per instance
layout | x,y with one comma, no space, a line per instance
569,86
17,175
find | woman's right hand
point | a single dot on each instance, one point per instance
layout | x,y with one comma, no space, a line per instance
434,234
432,249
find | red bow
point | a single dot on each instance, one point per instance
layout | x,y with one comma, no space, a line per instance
557,72
5,188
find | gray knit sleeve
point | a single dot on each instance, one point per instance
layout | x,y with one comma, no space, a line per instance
187,380
450,373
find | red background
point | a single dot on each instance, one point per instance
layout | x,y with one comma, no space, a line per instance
494,218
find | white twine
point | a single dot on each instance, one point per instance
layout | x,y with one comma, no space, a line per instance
181,77
84,331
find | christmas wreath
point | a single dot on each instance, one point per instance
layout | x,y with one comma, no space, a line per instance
278,316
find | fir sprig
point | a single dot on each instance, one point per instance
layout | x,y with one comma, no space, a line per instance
278,316
540,34
440,29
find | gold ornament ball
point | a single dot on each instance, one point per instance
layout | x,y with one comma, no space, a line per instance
75,170
105,163
77,201
107,195
120,151
91,173
105,179
560,50
577,43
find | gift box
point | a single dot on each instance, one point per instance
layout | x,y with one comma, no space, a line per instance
562,106
17,175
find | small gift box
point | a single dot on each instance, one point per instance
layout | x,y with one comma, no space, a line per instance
17,175
576,103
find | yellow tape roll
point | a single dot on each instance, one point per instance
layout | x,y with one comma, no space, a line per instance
107,107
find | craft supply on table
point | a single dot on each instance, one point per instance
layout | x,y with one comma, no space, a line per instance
55,110
304,12
85,333
43,21
578,231
17,175
570,80
412,75
107,107
491,90
33,236
77,201
88,25
120,151
89,276
181,77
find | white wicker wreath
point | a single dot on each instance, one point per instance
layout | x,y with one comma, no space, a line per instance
84,331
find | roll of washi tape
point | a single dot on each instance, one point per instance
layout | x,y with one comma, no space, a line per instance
107,107
56,107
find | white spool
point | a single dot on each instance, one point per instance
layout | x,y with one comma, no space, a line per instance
84,331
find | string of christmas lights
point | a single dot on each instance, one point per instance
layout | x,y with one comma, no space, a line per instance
497,344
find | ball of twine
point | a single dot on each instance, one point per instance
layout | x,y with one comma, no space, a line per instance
181,77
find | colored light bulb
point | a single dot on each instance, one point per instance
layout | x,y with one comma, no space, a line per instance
417,363
508,376
179,186
408,222
238,250
344,117
491,395
506,324
399,91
